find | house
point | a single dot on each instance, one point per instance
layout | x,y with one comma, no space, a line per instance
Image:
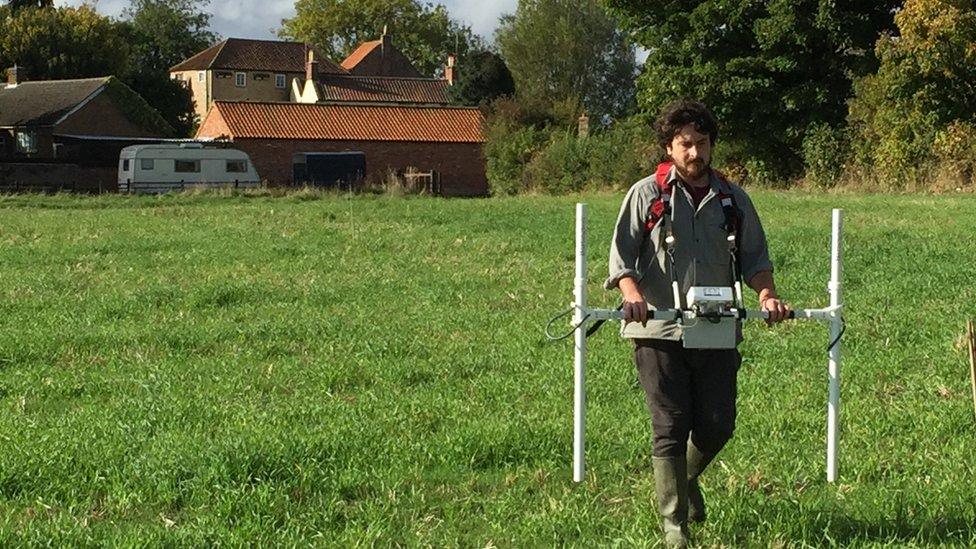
375,103
445,140
238,69
67,133
343,88
379,58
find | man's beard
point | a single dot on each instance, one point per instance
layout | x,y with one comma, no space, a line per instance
696,169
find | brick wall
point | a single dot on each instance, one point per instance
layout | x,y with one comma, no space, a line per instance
101,116
226,89
50,177
223,87
461,165
212,125
198,89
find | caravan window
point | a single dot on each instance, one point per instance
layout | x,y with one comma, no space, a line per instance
237,166
125,165
146,163
187,166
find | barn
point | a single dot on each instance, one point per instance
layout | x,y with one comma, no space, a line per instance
445,141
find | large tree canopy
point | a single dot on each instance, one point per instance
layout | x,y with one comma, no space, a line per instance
60,43
569,49
769,68
18,4
425,33
483,78
922,98
162,33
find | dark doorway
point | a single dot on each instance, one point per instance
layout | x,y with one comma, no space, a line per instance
320,169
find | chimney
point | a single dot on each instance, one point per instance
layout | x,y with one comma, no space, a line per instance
450,70
387,39
311,66
12,77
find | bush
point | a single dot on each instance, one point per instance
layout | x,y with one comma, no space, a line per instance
622,155
563,166
555,162
921,93
508,152
825,151
954,150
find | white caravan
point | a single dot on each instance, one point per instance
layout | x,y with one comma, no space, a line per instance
177,166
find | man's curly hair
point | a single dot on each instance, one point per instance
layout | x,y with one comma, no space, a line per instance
680,113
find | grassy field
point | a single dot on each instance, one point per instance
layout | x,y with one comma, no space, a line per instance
192,370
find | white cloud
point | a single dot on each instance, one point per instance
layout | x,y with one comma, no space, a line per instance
482,15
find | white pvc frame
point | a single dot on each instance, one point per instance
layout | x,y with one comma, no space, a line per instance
583,315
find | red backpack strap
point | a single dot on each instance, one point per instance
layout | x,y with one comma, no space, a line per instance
733,217
660,206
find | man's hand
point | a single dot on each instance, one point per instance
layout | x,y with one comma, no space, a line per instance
777,309
634,308
762,282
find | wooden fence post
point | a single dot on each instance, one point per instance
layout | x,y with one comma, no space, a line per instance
971,330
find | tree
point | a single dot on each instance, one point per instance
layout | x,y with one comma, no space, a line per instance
425,33
770,69
63,43
163,33
16,5
922,98
569,50
483,78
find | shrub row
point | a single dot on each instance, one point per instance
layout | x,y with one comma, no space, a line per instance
556,161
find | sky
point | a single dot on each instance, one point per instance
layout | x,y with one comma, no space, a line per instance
261,18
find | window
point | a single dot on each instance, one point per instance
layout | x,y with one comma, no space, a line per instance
237,166
201,76
27,141
146,163
125,165
279,81
187,166
241,79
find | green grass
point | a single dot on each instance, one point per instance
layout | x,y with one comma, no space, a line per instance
188,370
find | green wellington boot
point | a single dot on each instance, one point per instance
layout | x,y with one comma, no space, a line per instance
697,462
671,485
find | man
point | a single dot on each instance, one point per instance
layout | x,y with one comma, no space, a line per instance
690,392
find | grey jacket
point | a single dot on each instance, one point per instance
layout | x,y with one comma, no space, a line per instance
701,250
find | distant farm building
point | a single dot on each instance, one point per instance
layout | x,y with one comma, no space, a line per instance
247,70
67,134
282,101
445,140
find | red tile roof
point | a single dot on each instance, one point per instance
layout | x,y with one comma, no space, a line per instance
384,89
256,55
360,53
335,122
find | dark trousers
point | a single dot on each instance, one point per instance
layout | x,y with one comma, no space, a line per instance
688,391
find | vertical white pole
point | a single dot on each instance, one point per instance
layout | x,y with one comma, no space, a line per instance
579,400
833,404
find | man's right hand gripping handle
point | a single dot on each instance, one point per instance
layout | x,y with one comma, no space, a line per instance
634,307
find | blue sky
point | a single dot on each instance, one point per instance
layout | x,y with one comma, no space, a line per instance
261,18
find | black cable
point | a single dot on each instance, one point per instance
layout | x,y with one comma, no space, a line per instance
596,325
570,332
843,327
